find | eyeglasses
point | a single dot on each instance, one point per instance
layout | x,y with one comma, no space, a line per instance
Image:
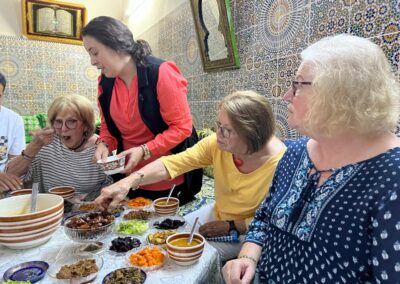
69,123
225,132
298,84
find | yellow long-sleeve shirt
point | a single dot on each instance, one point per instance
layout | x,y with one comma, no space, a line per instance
237,195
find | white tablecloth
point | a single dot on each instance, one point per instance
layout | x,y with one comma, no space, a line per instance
206,270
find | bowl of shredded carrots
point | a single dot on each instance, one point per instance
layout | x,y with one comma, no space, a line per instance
139,203
148,258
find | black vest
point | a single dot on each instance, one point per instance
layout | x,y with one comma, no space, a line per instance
149,109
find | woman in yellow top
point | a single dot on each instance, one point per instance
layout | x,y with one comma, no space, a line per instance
244,153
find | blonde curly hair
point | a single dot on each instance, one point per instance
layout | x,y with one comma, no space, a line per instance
354,85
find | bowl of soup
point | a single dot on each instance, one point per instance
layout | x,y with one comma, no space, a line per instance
65,192
183,253
20,228
164,208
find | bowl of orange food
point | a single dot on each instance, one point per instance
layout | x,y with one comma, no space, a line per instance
148,258
164,206
139,203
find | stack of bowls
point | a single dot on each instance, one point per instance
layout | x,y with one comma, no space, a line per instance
161,207
20,229
65,192
182,253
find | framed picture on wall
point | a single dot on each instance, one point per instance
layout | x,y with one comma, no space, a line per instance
53,21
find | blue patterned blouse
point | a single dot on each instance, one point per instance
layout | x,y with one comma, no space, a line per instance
345,231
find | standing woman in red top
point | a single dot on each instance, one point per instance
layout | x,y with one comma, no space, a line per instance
143,106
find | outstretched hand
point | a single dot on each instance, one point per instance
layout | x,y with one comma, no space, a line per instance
42,137
135,156
111,196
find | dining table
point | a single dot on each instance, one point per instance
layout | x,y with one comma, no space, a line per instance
205,270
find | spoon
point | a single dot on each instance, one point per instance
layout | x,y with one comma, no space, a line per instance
170,193
192,231
35,189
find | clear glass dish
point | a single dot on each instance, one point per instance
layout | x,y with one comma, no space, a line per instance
145,267
72,259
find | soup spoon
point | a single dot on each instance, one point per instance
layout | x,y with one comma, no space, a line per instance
192,231
170,193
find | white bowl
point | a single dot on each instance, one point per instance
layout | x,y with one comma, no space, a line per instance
20,229
113,165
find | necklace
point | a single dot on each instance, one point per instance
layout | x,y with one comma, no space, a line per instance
80,145
238,162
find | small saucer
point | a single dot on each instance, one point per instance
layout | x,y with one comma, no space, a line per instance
93,248
32,271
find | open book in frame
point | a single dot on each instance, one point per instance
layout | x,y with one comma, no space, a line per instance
53,21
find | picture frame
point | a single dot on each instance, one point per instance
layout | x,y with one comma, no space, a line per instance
216,34
54,21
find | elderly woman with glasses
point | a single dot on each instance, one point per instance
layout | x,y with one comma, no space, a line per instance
332,213
244,153
61,154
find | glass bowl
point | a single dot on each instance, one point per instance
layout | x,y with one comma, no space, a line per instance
83,235
72,259
121,242
141,251
159,238
131,227
139,203
123,274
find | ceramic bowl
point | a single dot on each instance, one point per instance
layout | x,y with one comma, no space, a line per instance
65,192
87,235
137,275
113,165
21,192
21,229
164,209
185,255
32,271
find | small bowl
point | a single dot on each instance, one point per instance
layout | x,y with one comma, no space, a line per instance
71,259
185,255
164,209
32,271
170,223
159,238
117,241
129,271
113,165
139,203
65,192
93,248
87,235
135,227
21,192
147,268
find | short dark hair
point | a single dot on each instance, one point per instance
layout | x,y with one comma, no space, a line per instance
115,35
3,80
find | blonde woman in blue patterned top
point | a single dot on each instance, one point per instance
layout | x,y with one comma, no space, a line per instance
62,154
332,213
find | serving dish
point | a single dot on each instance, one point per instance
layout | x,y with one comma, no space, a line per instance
32,271
71,260
132,274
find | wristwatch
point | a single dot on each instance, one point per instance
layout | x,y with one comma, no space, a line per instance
232,227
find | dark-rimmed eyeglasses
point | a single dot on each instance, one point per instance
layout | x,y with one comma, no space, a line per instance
298,84
225,132
69,123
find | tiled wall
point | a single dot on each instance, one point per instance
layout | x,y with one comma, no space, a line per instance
38,71
270,35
